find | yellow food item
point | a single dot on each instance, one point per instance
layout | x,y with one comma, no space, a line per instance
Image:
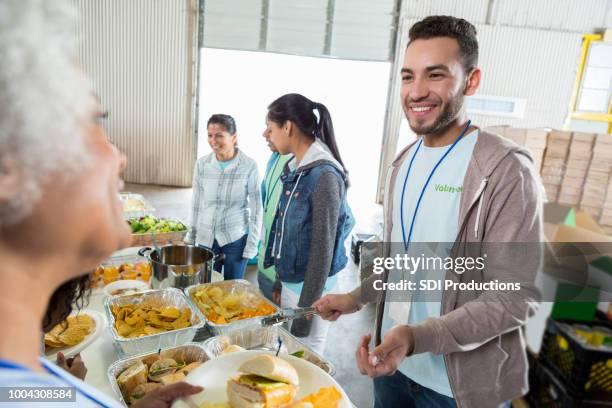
326,397
215,405
104,275
70,332
222,306
142,320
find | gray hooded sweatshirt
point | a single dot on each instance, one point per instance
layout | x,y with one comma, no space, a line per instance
480,334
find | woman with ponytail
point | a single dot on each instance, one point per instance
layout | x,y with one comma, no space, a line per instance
312,221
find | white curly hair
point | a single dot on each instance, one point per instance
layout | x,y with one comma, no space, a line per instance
44,99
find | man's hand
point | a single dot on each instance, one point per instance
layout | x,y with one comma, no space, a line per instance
384,359
331,307
164,396
73,365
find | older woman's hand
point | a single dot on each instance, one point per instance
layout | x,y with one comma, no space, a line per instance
73,365
164,396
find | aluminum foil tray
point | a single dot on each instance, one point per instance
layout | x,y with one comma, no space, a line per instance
237,285
159,298
145,209
188,353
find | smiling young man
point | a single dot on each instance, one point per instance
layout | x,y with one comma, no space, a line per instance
456,184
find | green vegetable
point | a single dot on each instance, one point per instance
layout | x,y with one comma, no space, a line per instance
149,224
298,354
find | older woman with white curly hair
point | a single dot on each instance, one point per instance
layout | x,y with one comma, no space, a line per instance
60,215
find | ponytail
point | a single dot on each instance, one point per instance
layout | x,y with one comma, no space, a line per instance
300,110
325,132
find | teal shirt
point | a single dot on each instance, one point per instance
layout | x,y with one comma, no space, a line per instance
271,189
223,164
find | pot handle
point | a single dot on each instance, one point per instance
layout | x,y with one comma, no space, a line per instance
145,251
218,257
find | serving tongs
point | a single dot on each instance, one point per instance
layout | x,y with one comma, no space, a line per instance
284,315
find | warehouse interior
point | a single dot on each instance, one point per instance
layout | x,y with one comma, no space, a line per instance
161,69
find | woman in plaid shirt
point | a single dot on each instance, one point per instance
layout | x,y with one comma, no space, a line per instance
226,205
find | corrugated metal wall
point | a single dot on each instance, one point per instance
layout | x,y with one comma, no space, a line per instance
561,15
535,65
474,11
140,57
349,29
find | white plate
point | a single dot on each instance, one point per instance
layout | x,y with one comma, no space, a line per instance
213,376
51,353
135,285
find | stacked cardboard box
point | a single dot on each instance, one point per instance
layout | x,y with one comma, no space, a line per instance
533,139
536,141
553,167
601,164
598,177
576,168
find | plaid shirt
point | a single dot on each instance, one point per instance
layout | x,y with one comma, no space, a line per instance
226,203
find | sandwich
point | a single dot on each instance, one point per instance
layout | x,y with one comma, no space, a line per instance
142,389
161,368
265,382
131,377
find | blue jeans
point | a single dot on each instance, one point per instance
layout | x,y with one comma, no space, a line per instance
233,264
399,391
265,285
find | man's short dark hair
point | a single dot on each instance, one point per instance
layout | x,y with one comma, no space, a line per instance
446,26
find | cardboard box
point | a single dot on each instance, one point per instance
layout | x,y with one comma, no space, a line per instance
583,137
559,135
498,130
552,179
574,184
516,135
578,163
603,138
575,173
563,224
536,138
594,212
594,176
559,150
568,199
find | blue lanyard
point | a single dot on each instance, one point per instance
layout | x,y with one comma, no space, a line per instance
416,208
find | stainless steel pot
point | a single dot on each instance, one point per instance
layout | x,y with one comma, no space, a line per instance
180,266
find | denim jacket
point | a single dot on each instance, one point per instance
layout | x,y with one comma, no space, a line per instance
291,234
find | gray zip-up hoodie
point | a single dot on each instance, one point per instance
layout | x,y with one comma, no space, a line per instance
481,335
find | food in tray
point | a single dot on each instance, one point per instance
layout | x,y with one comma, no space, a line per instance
265,382
106,274
125,291
143,377
326,397
223,306
132,204
148,224
136,320
70,332
231,348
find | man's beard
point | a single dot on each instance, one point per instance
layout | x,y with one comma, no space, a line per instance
444,119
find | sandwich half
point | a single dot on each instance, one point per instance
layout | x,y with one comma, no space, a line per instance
266,382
